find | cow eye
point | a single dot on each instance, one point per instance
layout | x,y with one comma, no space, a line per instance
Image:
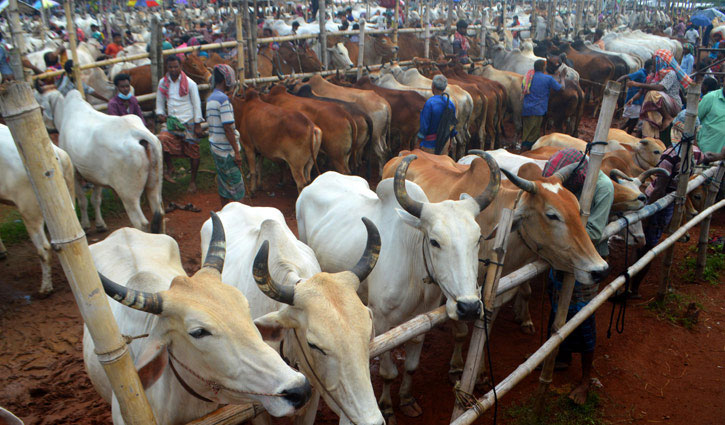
435,243
552,216
199,333
314,347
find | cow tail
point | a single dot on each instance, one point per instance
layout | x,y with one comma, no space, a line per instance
154,178
316,142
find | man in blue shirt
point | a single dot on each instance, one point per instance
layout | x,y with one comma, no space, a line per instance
5,69
430,117
632,108
536,102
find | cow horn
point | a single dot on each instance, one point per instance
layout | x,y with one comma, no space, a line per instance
401,194
217,245
494,181
648,173
617,174
138,300
370,255
564,173
260,271
520,182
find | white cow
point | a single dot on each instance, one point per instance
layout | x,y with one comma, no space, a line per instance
338,55
111,151
421,244
206,322
16,189
300,302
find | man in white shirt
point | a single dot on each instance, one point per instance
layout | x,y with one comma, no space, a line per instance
692,35
179,106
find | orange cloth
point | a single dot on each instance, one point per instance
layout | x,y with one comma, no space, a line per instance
113,49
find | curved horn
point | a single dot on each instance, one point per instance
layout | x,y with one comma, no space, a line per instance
370,255
260,271
138,300
401,194
617,174
648,173
494,181
520,182
564,173
217,245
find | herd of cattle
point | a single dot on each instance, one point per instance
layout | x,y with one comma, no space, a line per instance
366,259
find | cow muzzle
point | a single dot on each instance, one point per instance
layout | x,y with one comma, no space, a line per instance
468,310
600,275
298,396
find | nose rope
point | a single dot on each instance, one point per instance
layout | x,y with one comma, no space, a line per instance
429,279
215,387
317,378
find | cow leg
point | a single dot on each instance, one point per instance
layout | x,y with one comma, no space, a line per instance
521,309
3,250
82,204
298,175
460,331
96,199
34,223
388,372
309,412
153,195
408,405
132,205
252,164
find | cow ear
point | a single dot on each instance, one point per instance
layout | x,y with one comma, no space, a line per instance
152,362
272,325
408,219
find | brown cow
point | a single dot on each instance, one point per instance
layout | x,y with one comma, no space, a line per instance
405,107
192,66
300,58
276,134
338,127
594,71
411,46
377,108
378,49
566,108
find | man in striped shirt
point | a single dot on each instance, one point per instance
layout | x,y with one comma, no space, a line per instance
222,140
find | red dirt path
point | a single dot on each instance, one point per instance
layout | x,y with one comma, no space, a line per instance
654,372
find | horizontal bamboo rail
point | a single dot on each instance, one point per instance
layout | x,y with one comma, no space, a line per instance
232,414
528,366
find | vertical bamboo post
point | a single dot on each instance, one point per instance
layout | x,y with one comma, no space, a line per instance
109,30
323,34
579,16
532,20
396,23
449,18
22,115
609,103
693,100
361,49
70,27
240,49
426,26
18,40
503,14
154,53
550,18
479,336
482,36
44,21
705,225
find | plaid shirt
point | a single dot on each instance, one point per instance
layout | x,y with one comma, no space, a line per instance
562,159
670,161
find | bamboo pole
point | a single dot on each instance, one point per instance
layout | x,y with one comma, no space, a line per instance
618,225
479,336
156,58
23,117
240,49
550,18
109,30
232,414
449,17
396,24
579,16
252,41
426,27
705,226
70,28
323,34
557,337
361,49
18,39
693,100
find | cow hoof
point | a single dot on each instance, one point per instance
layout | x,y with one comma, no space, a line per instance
44,293
87,229
410,408
388,415
3,255
528,328
454,375
101,229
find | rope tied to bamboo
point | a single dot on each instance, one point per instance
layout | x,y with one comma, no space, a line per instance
129,339
621,298
467,400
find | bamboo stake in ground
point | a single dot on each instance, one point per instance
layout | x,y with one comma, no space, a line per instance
22,115
361,49
323,35
232,414
705,226
71,30
426,26
240,49
396,23
693,100
479,336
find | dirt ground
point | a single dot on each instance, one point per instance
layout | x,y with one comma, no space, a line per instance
654,372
